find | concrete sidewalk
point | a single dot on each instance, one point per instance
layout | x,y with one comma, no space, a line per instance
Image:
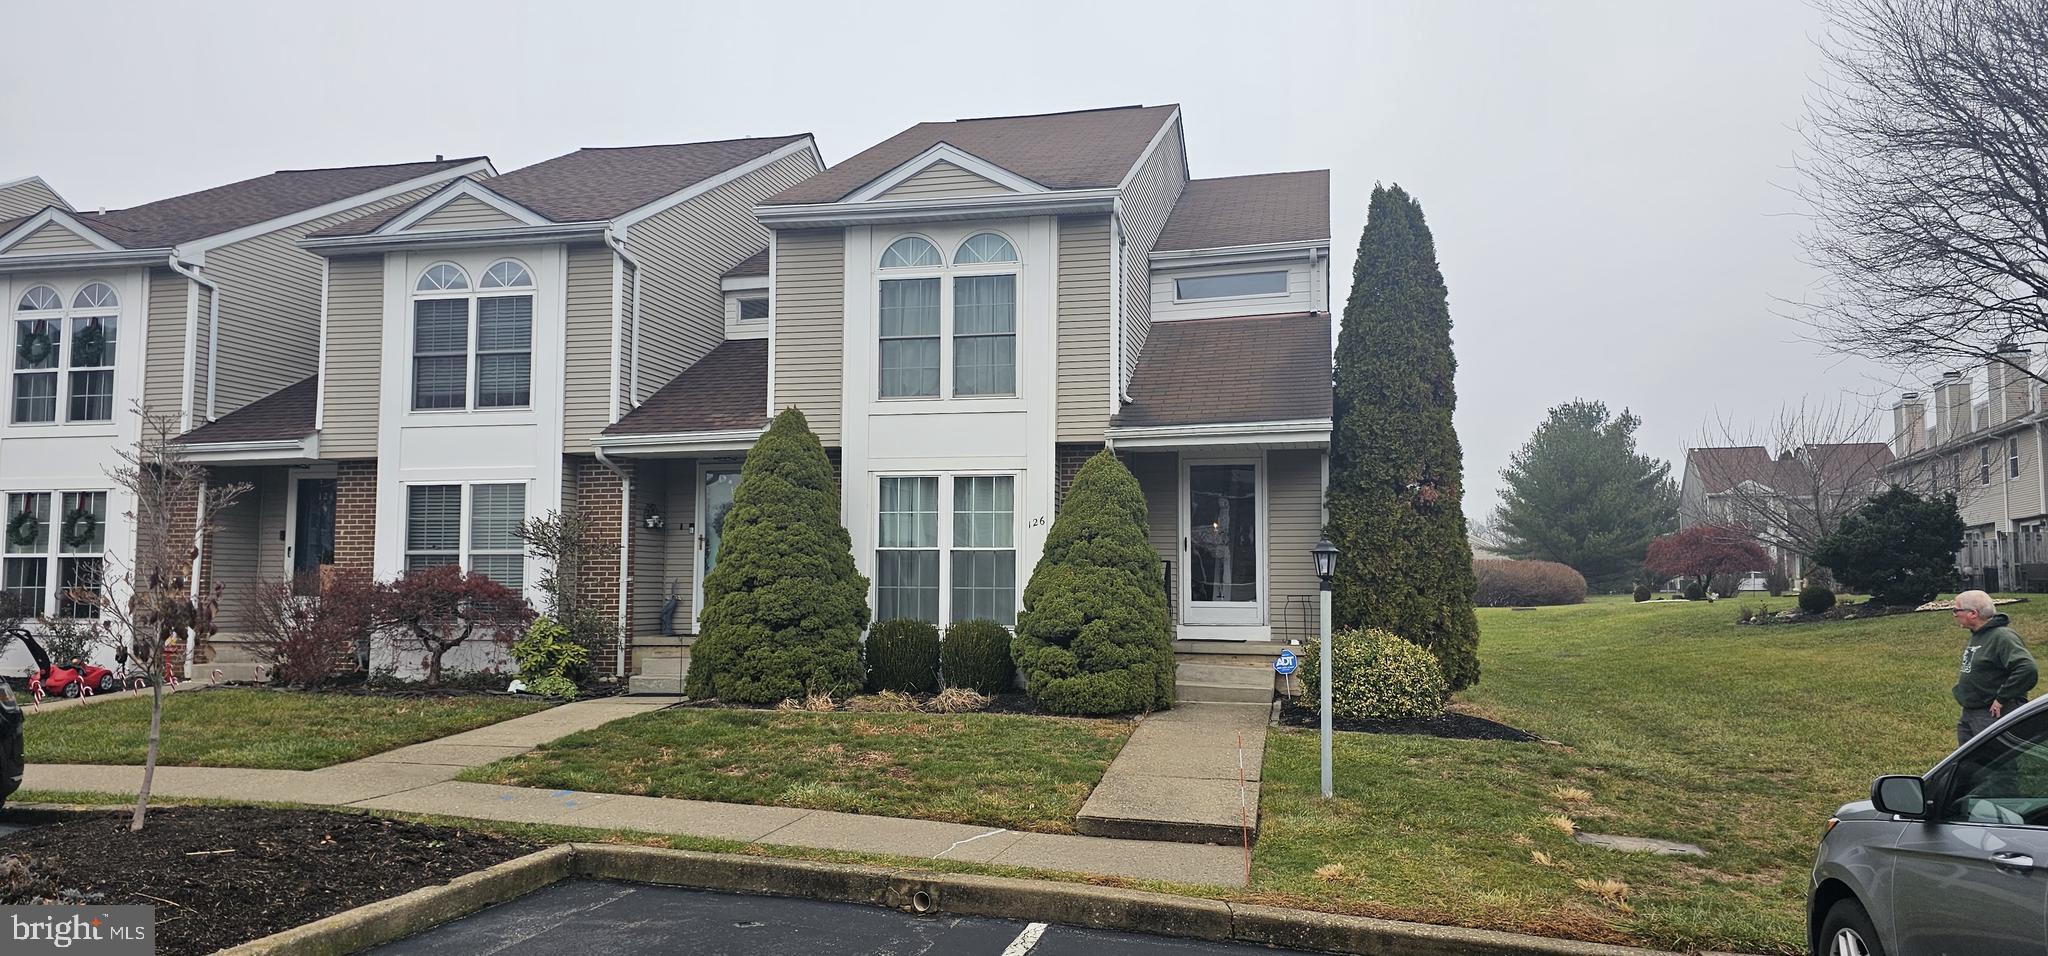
420,779
1190,774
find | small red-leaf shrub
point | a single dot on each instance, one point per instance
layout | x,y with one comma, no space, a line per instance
1504,583
307,640
435,610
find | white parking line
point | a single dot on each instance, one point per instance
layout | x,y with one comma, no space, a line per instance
1025,940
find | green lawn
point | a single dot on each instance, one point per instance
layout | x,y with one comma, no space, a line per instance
1676,723
1025,773
263,729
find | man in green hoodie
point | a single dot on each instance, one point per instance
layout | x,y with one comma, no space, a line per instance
1997,671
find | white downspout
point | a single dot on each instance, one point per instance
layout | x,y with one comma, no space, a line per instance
618,248
625,551
192,341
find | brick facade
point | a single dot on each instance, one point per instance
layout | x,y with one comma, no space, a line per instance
1067,462
600,492
355,516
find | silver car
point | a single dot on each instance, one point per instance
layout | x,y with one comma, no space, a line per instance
1945,863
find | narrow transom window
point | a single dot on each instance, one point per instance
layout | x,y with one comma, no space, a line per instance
1230,286
911,252
2012,458
754,309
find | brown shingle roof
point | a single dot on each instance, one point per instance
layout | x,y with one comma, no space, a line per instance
600,183
1845,465
210,212
280,416
725,390
1089,149
754,265
1720,469
1249,210
1265,368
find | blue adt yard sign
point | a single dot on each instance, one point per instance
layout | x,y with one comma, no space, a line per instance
1287,664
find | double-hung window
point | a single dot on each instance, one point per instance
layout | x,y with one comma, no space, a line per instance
472,348
1984,464
946,549
948,329
64,357
2012,458
473,527
54,551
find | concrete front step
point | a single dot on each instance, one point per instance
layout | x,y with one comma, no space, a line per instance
661,671
1222,683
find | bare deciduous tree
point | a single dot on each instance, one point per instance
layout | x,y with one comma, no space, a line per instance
153,604
1927,176
1792,480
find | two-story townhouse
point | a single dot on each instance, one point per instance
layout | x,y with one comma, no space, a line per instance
189,307
1988,454
965,312
1783,499
474,343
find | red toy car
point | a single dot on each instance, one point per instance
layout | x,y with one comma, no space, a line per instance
70,679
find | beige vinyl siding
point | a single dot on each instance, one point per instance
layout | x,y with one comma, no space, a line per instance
50,237
270,307
633,324
355,340
588,400
2025,490
273,487
1147,202
810,315
1294,519
464,212
680,562
1084,328
202,355
28,197
942,180
234,559
163,374
1299,297
684,251
666,560
1158,475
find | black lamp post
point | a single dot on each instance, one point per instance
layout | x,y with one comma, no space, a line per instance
1325,555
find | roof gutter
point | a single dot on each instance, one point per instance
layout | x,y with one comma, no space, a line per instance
1297,431
512,235
677,443
79,260
1068,201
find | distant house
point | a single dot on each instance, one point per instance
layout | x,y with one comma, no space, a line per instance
1774,495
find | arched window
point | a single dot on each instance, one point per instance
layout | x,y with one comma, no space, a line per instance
911,252
985,247
443,277
42,298
506,274
95,297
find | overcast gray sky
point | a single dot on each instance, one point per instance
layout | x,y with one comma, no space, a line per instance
1605,180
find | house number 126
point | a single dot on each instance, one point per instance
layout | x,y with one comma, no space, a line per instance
1038,522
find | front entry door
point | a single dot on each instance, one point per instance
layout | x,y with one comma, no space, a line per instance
312,533
717,488
1221,544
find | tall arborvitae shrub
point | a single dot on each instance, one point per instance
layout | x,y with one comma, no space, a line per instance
784,608
1094,637
1396,471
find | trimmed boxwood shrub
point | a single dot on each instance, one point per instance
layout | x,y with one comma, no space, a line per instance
1643,593
784,608
976,655
1813,599
1777,582
903,655
1506,583
1695,591
1374,676
1094,637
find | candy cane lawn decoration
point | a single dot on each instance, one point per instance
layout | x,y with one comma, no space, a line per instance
35,689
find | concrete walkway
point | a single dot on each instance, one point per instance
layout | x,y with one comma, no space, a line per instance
420,779
1190,774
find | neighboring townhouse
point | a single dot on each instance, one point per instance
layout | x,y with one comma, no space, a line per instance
475,343
968,310
1745,485
1988,454
190,306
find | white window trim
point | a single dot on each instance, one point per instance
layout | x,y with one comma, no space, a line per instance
945,546
62,316
945,272
464,550
53,552
471,348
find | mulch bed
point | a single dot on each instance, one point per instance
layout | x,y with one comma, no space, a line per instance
1450,724
285,868
1018,703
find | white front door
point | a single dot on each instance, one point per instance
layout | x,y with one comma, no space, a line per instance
1223,579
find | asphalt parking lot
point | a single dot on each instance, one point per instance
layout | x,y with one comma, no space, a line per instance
593,916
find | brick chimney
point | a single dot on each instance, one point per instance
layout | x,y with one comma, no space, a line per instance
1955,408
2009,385
1909,424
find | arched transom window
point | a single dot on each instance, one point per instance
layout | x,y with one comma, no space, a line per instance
64,358
948,330
472,349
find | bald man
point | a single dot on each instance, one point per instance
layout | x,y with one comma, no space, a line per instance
1997,671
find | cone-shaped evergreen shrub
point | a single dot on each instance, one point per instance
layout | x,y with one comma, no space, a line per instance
976,655
1396,472
1094,638
784,608
903,655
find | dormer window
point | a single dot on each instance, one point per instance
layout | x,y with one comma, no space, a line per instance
1235,285
916,340
65,355
754,308
473,350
